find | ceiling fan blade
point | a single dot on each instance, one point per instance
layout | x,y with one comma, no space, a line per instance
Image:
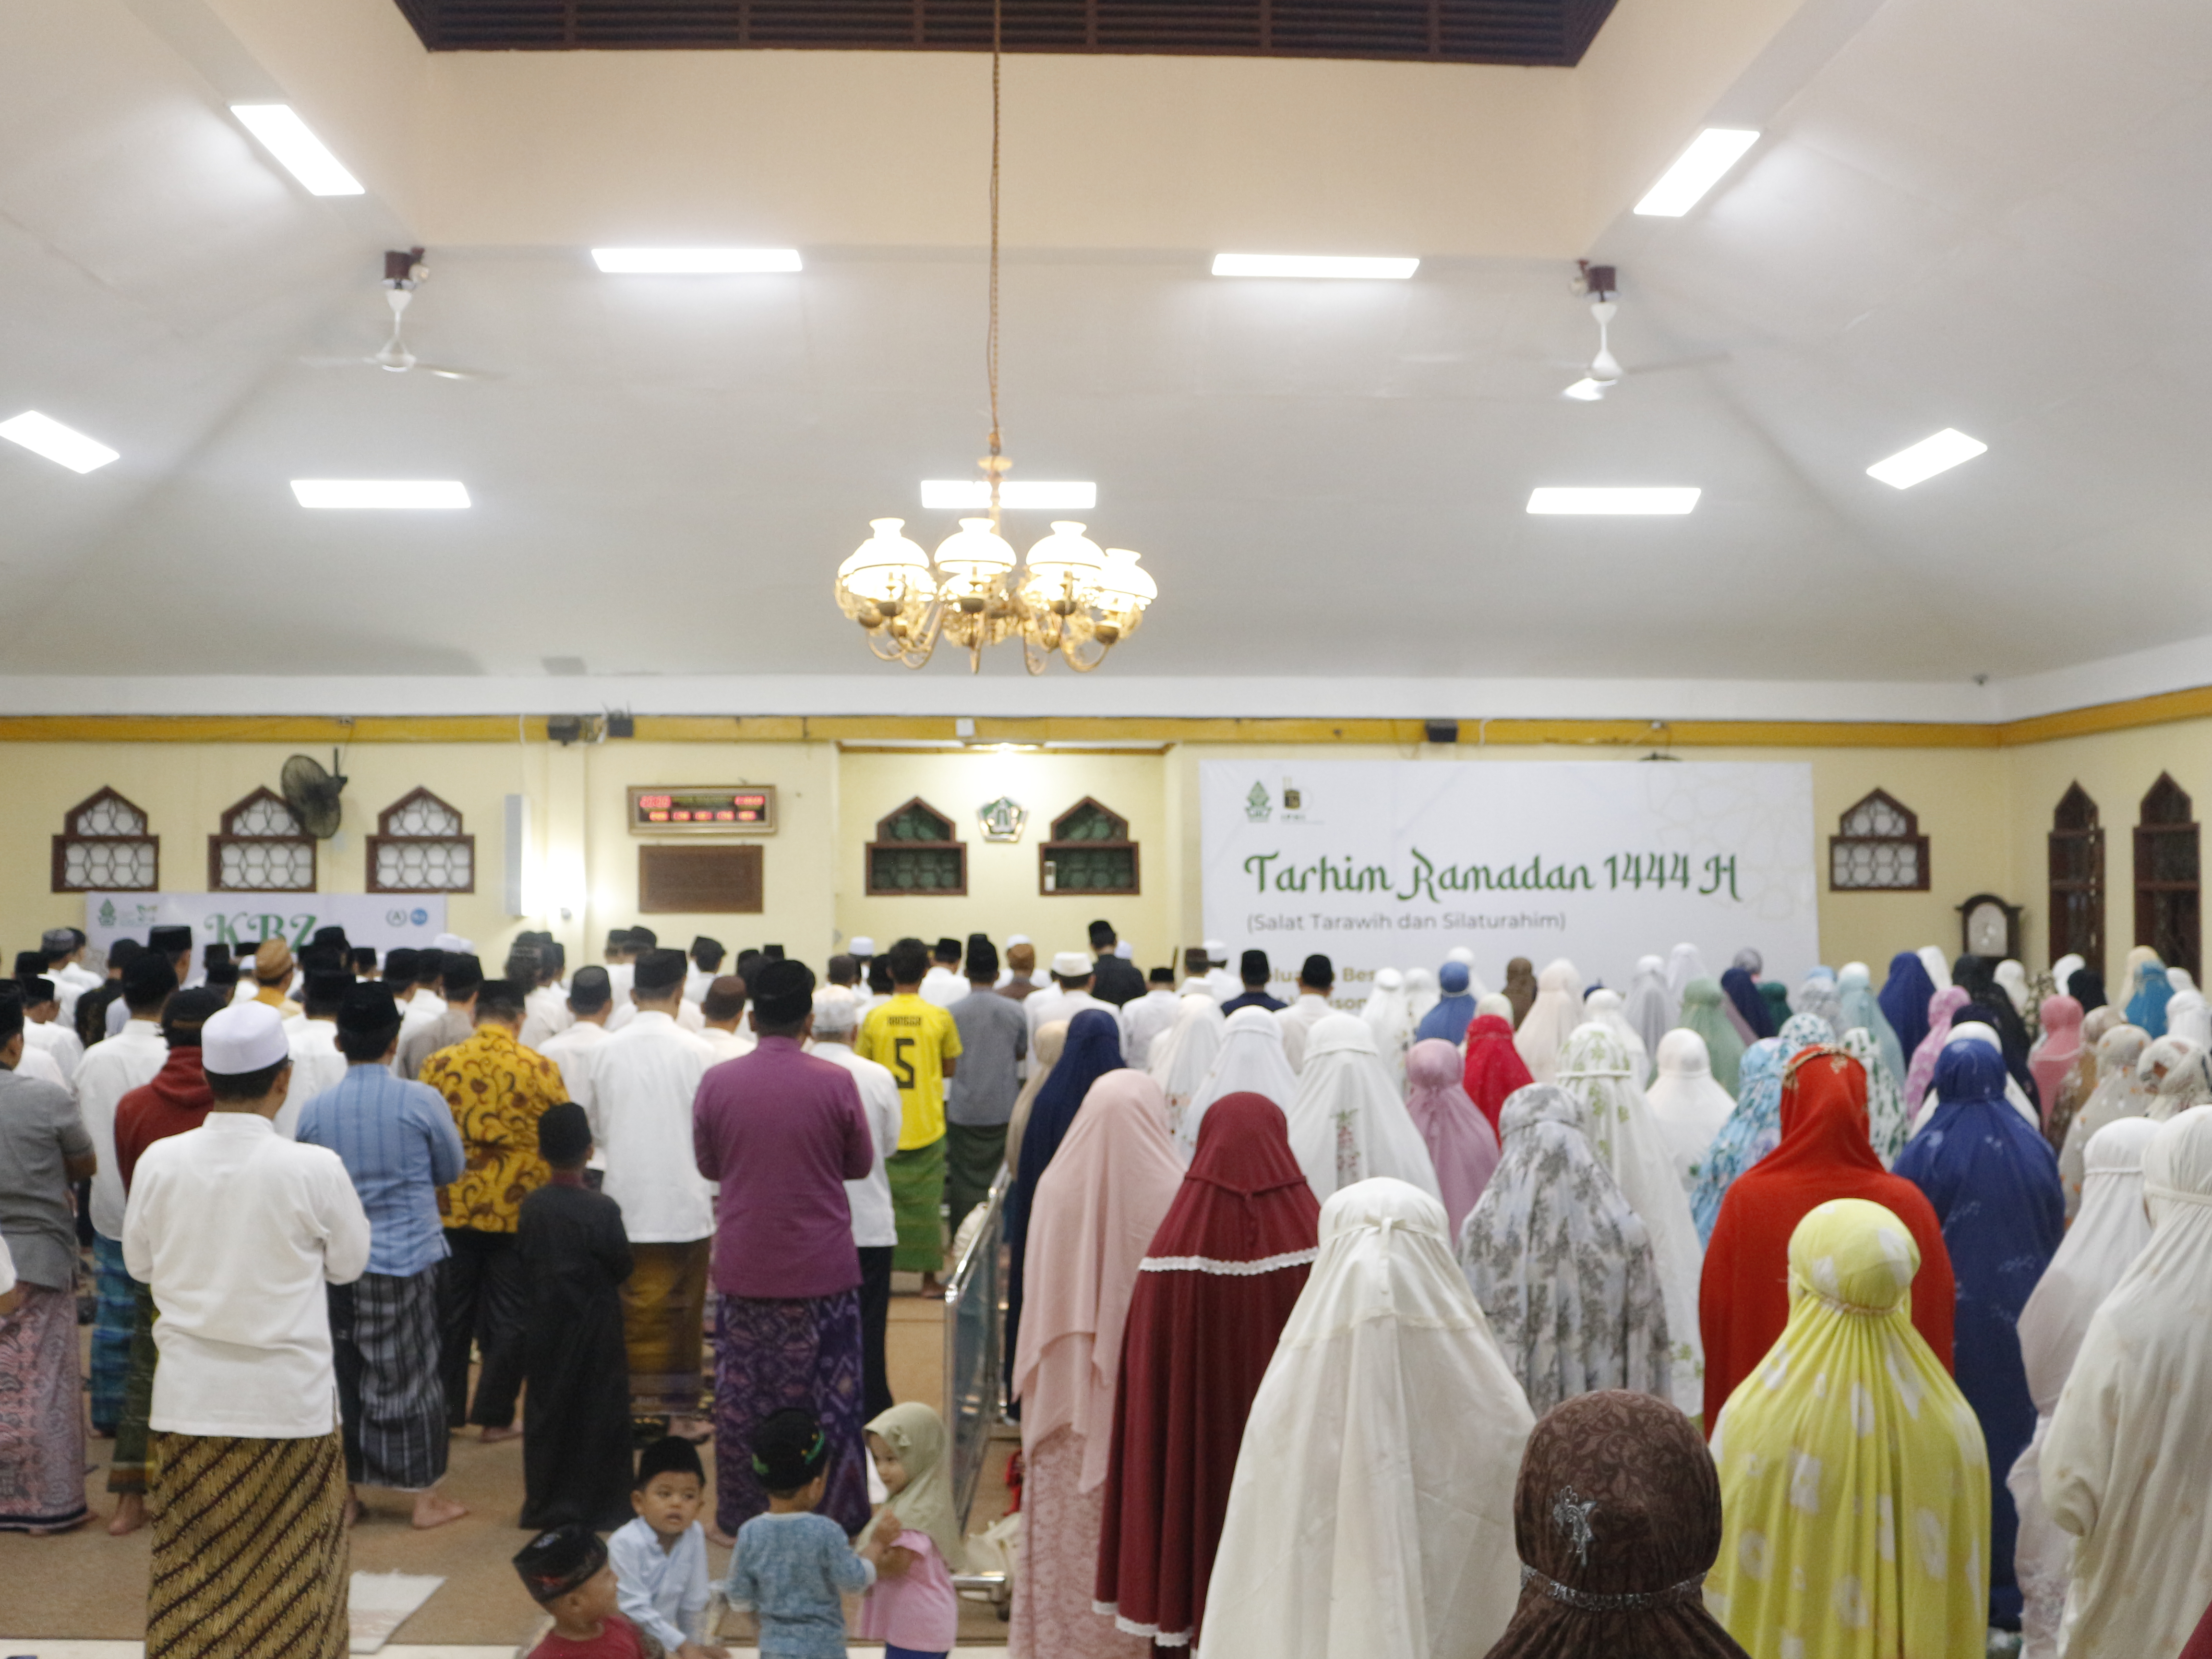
334,362
1707,360
444,372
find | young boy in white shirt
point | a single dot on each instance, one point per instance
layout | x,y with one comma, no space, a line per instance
661,1558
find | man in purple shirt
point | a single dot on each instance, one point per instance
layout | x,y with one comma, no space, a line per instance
783,1131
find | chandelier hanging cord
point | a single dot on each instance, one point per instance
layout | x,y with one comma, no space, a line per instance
995,465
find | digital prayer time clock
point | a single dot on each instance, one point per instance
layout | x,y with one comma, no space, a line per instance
740,809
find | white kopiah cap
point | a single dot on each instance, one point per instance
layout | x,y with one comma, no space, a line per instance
1214,947
1013,940
453,942
860,945
1068,964
1124,950
243,1037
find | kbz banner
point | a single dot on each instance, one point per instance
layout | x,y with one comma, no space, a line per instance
1390,863
386,920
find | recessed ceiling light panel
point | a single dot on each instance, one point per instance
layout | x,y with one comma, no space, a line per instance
1312,264
409,493
963,492
1926,458
285,136
42,434
694,261
1661,502
1699,167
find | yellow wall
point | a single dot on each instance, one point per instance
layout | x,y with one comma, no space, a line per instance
1986,810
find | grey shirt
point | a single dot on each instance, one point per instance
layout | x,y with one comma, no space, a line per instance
994,1037
454,1026
39,1130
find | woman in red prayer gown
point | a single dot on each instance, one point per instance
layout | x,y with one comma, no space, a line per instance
1744,1299
1494,1067
1221,1277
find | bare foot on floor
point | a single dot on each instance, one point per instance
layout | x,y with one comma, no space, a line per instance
492,1437
130,1514
434,1509
352,1510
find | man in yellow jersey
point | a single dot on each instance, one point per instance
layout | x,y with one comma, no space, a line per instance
919,1044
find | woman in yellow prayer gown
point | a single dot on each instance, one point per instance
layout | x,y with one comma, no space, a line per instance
1854,1481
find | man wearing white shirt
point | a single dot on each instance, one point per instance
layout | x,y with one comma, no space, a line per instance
425,1007
317,1065
707,955
64,953
1220,984
1070,995
728,1033
1145,1018
943,984
237,1232
590,1002
1317,979
640,1083
875,1225
42,1026
111,1069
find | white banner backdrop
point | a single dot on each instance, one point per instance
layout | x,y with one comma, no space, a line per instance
386,920
1390,864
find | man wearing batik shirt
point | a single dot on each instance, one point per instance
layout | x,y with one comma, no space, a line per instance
497,1090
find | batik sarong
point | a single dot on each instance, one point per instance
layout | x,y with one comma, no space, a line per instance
663,1326
41,1421
249,1548
115,1314
774,1354
917,1179
384,1344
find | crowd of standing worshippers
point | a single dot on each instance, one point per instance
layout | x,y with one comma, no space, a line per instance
1711,1316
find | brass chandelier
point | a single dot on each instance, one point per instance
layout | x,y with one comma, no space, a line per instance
1071,597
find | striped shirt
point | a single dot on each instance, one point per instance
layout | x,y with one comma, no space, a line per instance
398,1143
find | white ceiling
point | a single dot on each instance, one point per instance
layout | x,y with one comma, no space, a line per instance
1964,215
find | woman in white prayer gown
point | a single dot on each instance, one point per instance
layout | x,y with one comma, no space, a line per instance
1422,993
1349,1122
1651,1012
2117,1095
1250,1061
1608,1009
1182,1053
2099,1249
2127,1462
1689,1106
1683,965
1937,964
1388,1012
1551,1019
1372,1513
1595,1067
2166,1058
2188,1015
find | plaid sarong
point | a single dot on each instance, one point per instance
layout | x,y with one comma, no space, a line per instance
249,1548
383,1341
115,1314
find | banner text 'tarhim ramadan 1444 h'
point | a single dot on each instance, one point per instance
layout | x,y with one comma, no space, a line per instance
1390,864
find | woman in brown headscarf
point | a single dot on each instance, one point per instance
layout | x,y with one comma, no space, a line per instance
1520,987
1617,1519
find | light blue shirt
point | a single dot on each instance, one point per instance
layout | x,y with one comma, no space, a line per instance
663,1592
398,1143
794,1571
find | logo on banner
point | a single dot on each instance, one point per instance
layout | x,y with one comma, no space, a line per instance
1259,805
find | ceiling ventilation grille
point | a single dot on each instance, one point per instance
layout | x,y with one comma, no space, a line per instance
1543,32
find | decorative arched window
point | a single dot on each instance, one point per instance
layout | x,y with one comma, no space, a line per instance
2077,880
915,851
104,848
1879,850
2167,875
263,849
1090,852
419,848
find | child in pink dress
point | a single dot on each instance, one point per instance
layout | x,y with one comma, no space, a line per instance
913,1609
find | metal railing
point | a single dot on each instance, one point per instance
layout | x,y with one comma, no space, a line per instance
975,1336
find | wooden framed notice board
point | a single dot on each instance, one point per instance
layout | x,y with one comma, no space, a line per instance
700,880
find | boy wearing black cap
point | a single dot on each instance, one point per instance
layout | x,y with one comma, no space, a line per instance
398,1143
1113,980
1252,968
575,1415
792,1568
567,1573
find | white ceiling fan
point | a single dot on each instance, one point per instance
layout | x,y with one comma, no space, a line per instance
404,272
1605,371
